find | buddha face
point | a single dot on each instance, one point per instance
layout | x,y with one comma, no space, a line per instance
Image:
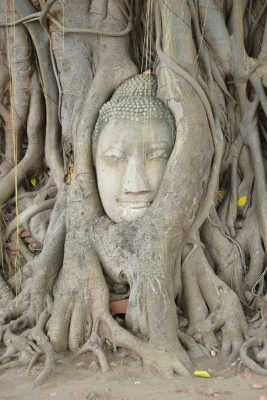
130,160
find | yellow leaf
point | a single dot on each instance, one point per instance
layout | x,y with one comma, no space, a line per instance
242,201
34,181
202,374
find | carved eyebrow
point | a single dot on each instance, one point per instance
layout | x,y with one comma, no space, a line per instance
113,148
113,151
158,145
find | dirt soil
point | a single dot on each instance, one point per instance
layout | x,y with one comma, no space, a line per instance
79,378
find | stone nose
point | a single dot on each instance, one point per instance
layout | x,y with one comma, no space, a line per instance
134,179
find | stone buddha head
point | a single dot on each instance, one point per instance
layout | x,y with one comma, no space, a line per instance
133,139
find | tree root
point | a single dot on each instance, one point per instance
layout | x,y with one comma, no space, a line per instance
9,353
261,356
18,306
41,43
163,360
29,346
195,350
17,344
211,305
95,345
37,335
21,362
6,294
166,356
225,253
250,240
24,218
33,159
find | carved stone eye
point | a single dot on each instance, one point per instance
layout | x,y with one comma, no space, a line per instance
157,154
114,155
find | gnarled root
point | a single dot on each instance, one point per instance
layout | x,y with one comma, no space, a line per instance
29,347
95,344
16,346
82,299
211,305
166,358
261,355
24,358
37,335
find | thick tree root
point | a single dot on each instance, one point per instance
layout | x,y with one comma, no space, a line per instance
211,305
224,253
163,360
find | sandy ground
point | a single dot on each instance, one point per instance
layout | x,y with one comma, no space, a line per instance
80,379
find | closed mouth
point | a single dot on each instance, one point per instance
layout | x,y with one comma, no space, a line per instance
136,205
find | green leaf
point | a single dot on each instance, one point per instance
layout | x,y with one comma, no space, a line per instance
34,181
202,374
